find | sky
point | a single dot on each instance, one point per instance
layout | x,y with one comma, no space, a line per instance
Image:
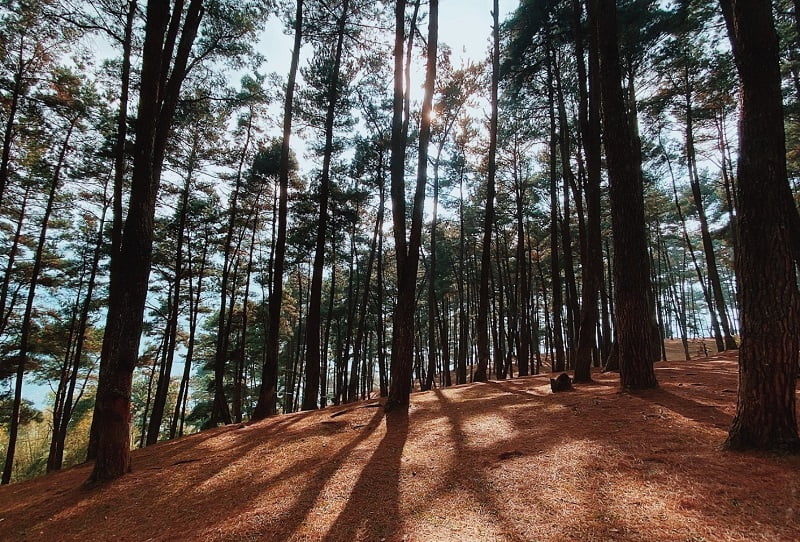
464,25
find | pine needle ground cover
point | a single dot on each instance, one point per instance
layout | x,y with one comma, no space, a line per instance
505,460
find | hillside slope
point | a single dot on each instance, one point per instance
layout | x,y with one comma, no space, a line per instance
497,461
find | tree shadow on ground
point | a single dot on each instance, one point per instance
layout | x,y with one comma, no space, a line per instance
694,410
324,468
372,511
475,482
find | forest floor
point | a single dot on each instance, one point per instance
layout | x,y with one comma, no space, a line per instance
505,460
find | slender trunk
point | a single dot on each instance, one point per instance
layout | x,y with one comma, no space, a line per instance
488,217
242,350
27,318
313,360
162,389
5,311
559,363
568,180
606,312
499,314
61,389
220,412
194,313
677,304
338,372
383,373
408,253
269,376
444,335
727,177
353,294
365,295
690,248
8,132
150,380
56,457
463,324
708,246
432,347
523,291
122,132
589,121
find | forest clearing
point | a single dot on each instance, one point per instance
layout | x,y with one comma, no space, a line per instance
502,460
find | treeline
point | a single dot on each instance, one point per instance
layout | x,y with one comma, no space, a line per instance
168,265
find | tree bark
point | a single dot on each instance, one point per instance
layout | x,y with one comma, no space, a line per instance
269,374
313,359
765,417
407,254
110,444
589,121
631,262
488,217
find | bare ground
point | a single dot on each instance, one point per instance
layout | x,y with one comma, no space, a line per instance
503,460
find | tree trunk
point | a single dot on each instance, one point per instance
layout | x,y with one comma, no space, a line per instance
631,264
522,291
158,99
5,311
352,294
765,417
558,363
383,373
589,121
56,456
122,132
162,389
488,217
365,295
718,338
407,254
568,179
220,412
27,319
463,324
269,375
241,351
338,371
403,320
194,312
313,359
8,132
708,246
